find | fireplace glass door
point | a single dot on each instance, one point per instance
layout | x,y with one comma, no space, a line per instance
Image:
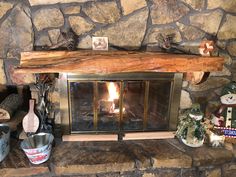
123,102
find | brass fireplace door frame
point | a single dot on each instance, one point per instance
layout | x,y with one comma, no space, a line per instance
174,100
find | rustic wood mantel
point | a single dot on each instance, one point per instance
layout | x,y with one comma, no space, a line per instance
108,62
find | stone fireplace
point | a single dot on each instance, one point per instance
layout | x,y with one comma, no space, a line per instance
117,92
33,25
36,25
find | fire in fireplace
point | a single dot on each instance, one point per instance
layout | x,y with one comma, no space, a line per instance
119,103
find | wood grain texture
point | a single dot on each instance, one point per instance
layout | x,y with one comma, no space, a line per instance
97,62
89,137
16,120
148,135
9,106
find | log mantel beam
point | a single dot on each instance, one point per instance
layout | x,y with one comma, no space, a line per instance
96,62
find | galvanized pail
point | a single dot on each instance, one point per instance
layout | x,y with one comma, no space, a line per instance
4,141
38,147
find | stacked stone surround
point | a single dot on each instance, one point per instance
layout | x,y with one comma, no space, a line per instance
129,25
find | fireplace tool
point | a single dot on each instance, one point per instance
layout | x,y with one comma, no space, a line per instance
43,84
37,147
30,122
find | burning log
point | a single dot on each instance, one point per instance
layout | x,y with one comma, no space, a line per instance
109,106
9,106
106,106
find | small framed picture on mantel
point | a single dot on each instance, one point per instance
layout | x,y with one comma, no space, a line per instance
100,43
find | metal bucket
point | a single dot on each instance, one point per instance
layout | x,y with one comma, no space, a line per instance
38,147
4,141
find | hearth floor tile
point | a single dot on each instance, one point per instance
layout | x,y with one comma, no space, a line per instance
142,158
204,155
73,158
164,155
88,158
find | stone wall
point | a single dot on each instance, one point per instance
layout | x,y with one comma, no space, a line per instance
129,24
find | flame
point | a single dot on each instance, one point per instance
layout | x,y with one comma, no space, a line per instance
112,90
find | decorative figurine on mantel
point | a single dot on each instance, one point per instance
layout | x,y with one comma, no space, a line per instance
225,117
67,41
191,131
167,44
